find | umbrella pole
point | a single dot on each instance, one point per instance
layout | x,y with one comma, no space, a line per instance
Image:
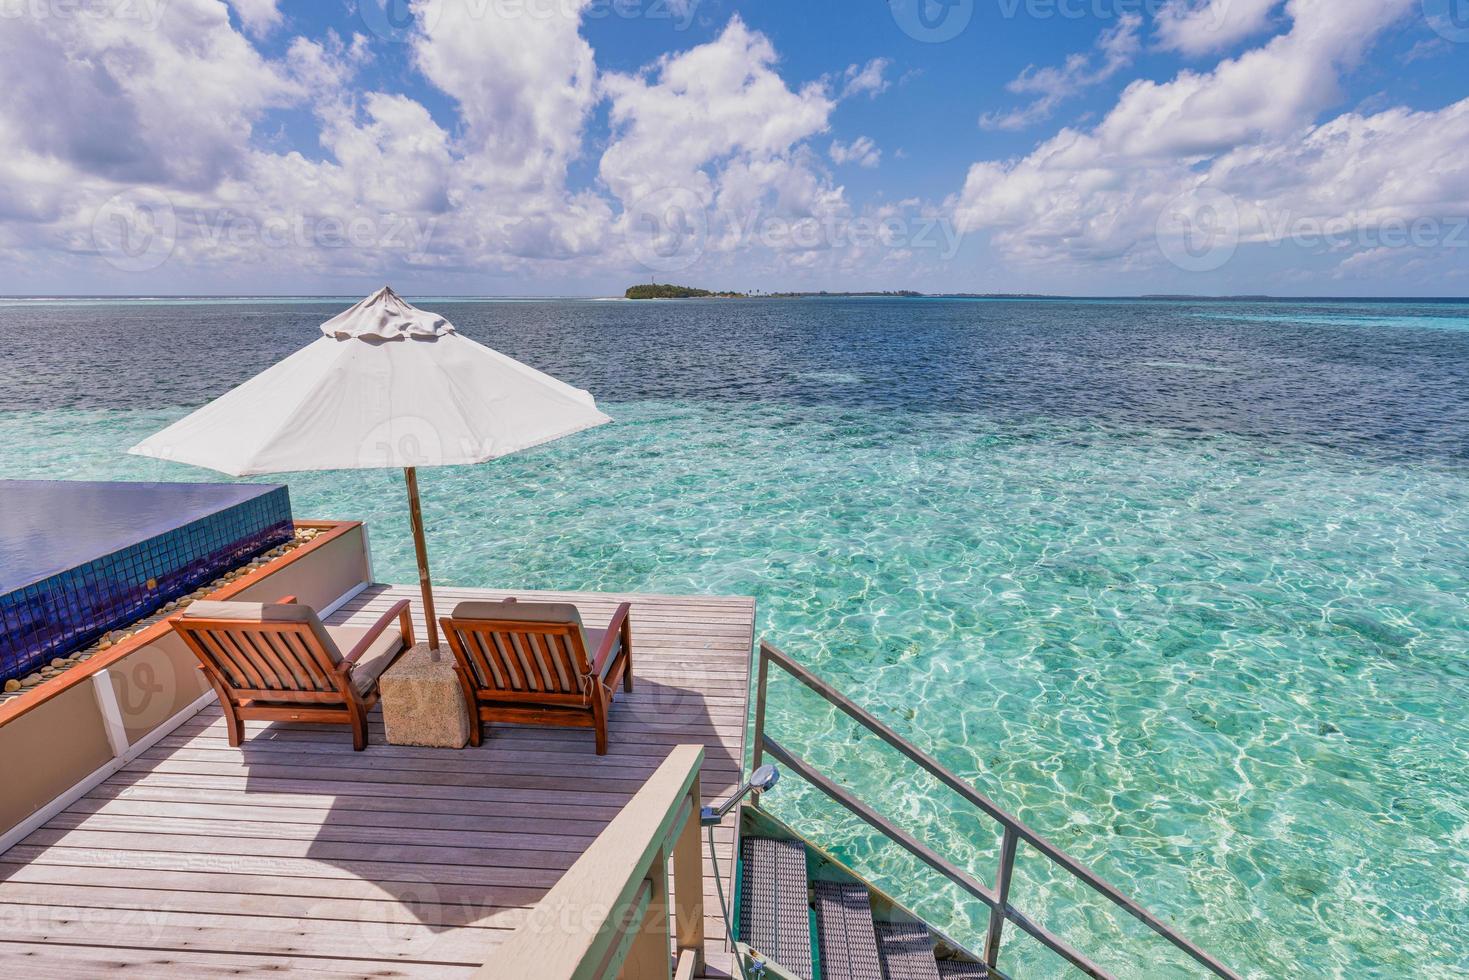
421,546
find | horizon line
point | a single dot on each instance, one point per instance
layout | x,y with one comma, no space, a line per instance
790,294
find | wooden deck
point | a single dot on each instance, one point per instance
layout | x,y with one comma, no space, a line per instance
293,854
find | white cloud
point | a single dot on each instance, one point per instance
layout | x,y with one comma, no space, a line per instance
524,83
1427,49
98,107
1116,48
259,17
689,116
1197,27
862,151
869,79
1351,171
711,160
1248,130
101,95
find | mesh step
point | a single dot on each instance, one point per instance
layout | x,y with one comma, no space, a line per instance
774,908
906,950
844,927
960,970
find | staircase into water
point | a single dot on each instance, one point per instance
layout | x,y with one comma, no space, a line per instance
829,930
837,926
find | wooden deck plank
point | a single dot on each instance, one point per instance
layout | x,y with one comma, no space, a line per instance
295,854
61,961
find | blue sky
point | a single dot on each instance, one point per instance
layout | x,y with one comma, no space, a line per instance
517,147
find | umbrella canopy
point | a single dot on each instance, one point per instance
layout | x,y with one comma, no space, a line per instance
388,385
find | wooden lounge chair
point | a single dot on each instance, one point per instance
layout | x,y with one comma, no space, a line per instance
534,663
279,663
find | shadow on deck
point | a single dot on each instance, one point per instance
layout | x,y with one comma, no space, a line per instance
293,853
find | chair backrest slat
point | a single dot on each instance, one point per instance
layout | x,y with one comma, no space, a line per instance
545,674
296,662
565,661
521,658
217,658
272,657
240,658
262,654
521,662
485,662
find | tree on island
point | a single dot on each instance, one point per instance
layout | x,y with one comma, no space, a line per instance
670,291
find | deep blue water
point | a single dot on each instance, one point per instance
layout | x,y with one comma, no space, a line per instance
1315,373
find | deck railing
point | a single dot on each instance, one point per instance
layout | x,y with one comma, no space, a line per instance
609,915
997,898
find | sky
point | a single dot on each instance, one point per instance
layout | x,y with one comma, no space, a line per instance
575,147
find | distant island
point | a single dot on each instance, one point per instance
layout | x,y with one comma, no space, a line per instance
660,290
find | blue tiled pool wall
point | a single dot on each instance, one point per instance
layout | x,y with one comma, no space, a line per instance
65,612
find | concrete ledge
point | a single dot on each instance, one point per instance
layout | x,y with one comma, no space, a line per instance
77,728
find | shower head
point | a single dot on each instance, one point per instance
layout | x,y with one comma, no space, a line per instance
760,780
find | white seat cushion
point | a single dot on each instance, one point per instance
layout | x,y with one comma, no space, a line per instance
594,643
370,665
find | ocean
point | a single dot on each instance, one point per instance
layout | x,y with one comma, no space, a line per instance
1183,584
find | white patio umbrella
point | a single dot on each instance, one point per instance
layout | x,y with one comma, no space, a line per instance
389,385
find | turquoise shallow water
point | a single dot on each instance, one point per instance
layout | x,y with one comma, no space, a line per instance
1213,673
1219,658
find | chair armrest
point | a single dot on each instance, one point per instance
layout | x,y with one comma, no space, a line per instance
400,611
609,640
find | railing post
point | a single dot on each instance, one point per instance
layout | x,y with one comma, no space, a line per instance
647,953
688,884
762,674
1002,897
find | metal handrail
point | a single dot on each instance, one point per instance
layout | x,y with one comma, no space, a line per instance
997,898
